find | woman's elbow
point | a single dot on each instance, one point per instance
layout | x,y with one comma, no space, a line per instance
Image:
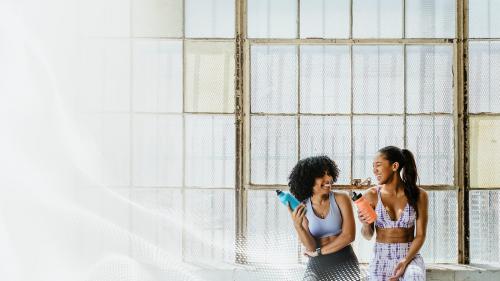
350,237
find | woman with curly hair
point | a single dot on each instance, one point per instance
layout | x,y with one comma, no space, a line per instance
324,221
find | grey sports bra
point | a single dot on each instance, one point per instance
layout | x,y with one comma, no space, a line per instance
330,225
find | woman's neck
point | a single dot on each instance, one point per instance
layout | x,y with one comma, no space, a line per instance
395,186
318,199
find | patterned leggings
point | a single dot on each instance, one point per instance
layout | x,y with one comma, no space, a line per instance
387,256
340,266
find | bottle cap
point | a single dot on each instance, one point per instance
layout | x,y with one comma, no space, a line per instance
278,192
356,196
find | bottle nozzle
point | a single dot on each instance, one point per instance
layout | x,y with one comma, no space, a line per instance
356,196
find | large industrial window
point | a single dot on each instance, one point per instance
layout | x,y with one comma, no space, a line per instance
224,100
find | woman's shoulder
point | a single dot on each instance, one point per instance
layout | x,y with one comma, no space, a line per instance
372,191
342,195
423,196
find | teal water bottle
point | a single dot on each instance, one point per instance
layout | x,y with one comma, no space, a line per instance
287,197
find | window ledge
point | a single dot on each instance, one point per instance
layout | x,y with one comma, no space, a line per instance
435,272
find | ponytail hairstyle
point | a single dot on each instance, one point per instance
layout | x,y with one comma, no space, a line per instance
408,174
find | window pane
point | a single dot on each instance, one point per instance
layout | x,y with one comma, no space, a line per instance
484,21
370,134
377,19
157,18
209,77
210,151
484,74
97,18
113,138
484,146
324,18
485,227
274,79
272,18
442,236
273,148
430,18
331,136
430,138
157,150
209,222
156,217
105,76
210,18
157,76
325,84
429,71
271,236
378,79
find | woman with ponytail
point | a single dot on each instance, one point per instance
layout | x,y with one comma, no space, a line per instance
401,224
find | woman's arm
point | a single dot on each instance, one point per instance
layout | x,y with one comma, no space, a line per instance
368,229
348,233
421,223
301,226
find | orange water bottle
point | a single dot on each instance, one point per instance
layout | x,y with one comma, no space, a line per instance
364,207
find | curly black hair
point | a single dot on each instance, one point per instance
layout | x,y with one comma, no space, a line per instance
306,171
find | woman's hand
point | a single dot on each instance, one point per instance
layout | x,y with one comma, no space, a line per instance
297,215
399,270
363,217
311,254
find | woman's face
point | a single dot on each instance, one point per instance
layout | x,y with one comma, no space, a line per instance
383,169
323,185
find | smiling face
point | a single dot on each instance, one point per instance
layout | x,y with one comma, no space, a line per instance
383,170
323,185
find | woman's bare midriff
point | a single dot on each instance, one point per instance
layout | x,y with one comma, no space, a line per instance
395,235
325,240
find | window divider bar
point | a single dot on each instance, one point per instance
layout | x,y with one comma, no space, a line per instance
462,131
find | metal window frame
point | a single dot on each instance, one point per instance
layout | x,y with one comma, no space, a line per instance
460,117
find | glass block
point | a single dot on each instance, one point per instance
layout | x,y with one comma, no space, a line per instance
324,19
157,76
274,79
429,79
328,135
441,242
272,18
377,19
209,80
325,84
273,148
430,138
156,219
371,133
484,222
114,149
483,19
210,150
430,18
271,236
105,74
209,225
157,18
484,136
157,150
378,79
210,19
484,74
